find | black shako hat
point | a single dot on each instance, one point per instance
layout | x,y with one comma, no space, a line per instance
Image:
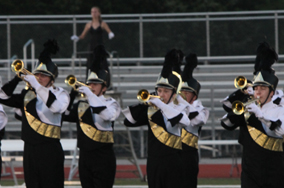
45,64
98,73
189,83
169,78
264,74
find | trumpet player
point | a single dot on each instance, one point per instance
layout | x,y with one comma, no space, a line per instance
42,106
243,93
165,121
3,122
198,116
95,116
261,132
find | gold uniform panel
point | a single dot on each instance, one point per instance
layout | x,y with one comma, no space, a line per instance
189,139
41,128
90,131
273,144
163,136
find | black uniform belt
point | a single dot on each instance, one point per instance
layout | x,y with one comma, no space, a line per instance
162,135
189,139
90,131
41,128
270,143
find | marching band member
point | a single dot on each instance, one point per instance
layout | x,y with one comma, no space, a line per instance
42,106
95,120
261,130
165,121
198,116
3,122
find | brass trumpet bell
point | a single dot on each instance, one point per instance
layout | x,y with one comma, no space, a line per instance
239,108
72,81
143,95
240,82
17,66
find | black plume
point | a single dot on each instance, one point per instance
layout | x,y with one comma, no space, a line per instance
191,64
171,58
265,58
50,47
100,58
178,63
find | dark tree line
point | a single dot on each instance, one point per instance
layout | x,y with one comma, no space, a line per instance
42,7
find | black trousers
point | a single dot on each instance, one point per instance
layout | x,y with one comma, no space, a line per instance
262,169
97,168
44,165
164,172
190,168
0,165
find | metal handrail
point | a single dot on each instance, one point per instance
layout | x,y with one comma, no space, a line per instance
150,60
29,42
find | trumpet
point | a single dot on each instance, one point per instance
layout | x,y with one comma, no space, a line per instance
17,66
143,95
239,108
72,81
240,82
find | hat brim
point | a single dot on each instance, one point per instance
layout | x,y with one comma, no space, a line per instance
262,84
47,73
95,81
164,85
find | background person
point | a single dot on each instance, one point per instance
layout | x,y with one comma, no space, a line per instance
95,29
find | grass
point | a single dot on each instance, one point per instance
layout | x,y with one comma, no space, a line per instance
201,181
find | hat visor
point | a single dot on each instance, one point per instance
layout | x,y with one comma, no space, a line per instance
261,84
94,81
163,85
42,72
188,89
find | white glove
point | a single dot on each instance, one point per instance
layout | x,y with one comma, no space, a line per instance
110,35
86,91
169,111
75,38
32,80
156,101
181,100
253,108
92,98
250,90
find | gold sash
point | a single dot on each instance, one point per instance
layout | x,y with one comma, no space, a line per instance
273,144
90,131
41,128
189,139
162,135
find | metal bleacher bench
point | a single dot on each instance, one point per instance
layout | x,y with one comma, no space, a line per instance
18,146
